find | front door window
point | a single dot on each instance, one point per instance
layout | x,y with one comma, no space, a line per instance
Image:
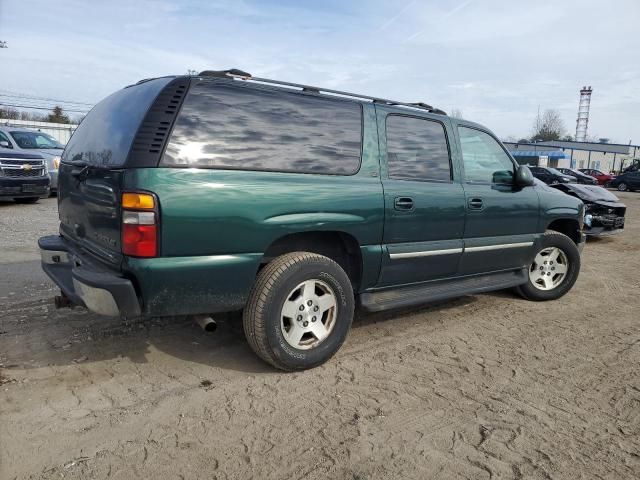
485,161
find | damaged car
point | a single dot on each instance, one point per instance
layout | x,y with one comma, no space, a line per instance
604,214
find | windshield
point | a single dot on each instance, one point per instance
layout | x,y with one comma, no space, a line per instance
554,171
35,140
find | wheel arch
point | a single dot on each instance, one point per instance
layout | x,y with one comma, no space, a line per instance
567,226
341,247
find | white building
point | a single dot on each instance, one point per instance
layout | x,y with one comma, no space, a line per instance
607,157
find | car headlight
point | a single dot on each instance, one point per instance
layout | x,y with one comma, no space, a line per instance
588,219
56,163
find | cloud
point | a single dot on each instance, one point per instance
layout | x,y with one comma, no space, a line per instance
397,15
495,60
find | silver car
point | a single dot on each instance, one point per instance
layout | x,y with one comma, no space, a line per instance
23,140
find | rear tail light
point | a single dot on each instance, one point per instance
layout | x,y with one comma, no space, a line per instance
139,225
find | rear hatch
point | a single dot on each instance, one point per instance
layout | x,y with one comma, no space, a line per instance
93,167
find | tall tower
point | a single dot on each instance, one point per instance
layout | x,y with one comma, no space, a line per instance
583,114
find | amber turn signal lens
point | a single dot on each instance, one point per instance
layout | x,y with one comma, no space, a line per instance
140,201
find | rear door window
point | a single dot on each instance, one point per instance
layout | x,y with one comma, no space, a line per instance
243,127
417,149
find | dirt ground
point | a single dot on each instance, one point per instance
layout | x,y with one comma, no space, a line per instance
487,386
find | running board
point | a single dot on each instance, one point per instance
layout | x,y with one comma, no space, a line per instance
439,290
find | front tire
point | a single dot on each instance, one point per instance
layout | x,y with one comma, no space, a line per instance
622,187
299,311
554,269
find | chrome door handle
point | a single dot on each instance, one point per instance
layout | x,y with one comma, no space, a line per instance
403,203
475,203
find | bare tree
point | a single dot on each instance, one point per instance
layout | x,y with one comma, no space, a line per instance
456,113
548,126
10,113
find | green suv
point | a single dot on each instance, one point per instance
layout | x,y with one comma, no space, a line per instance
194,195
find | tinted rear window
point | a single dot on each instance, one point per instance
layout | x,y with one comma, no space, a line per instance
105,135
230,126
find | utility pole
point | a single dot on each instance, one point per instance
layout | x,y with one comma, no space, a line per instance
3,43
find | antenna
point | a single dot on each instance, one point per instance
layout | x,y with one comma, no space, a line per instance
583,114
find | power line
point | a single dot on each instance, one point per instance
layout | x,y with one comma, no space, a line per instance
29,101
39,108
33,103
32,97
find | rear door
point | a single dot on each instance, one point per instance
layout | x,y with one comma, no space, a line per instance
502,221
424,200
93,166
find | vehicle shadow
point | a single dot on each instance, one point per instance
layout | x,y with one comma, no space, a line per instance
71,337
600,240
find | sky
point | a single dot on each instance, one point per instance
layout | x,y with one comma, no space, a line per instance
497,62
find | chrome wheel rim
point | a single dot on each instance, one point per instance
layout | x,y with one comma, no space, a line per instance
549,268
308,314
622,187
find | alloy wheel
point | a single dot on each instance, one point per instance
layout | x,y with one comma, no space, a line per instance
549,268
309,314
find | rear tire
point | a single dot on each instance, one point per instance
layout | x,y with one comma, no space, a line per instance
622,187
557,253
26,200
299,311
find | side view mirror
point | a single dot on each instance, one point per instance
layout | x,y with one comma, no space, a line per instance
5,144
524,177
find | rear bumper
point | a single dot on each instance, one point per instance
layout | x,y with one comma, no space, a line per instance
16,187
85,283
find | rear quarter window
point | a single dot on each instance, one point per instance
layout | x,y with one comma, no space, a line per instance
242,127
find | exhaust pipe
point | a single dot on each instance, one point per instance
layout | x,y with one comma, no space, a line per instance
62,301
207,323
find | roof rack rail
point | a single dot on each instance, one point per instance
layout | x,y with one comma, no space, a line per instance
235,73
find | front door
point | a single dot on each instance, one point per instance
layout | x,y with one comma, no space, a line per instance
502,221
424,201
